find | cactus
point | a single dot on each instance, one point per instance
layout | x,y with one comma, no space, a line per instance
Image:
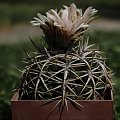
69,69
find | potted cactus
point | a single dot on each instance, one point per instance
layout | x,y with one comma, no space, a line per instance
68,79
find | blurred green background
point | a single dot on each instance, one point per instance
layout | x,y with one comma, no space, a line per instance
15,30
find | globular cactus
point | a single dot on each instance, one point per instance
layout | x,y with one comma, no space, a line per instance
69,69
79,74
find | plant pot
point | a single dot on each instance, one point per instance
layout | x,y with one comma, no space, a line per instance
34,110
